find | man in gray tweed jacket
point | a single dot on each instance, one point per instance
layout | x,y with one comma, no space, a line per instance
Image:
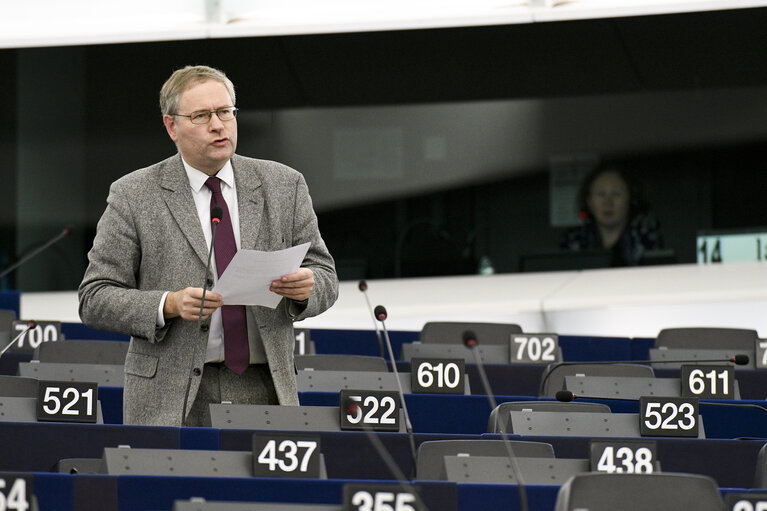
149,256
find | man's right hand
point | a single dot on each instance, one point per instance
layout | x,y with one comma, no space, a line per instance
186,304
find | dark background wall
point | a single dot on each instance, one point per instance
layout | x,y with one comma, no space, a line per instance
77,118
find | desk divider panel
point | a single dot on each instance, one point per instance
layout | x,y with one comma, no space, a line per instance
177,462
278,418
601,425
486,469
18,386
341,362
80,466
432,453
451,332
110,375
82,352
660,354
490,353
182,463
24,409
625,387
335,381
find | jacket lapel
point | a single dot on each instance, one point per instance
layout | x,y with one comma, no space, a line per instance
178,196
250,202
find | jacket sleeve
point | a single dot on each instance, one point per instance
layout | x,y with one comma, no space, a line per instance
109,295
318,259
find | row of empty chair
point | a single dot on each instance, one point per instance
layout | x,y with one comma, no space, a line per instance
444,460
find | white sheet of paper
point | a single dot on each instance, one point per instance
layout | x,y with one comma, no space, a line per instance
250,272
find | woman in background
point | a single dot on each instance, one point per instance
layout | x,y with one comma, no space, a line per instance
615,217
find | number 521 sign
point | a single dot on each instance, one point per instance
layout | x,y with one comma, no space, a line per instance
67,401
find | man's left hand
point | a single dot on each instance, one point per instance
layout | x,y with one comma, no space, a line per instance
296,286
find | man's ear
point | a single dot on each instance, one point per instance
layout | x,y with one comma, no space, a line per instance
170,126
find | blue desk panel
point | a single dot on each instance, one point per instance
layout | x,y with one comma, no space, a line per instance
38,446
730,462
434,413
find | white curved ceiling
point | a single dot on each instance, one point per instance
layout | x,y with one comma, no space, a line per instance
37,23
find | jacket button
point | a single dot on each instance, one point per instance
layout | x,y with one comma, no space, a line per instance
210,283
204,328
197,371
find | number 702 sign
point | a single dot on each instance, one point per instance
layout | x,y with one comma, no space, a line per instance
761,354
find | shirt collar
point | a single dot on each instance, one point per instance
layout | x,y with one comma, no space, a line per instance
197,178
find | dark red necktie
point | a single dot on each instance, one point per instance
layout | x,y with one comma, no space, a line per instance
236,349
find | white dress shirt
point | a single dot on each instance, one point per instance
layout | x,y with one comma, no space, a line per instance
202,195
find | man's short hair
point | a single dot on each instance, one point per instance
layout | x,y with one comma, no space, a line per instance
182,79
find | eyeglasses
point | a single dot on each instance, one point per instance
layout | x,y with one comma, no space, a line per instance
226,113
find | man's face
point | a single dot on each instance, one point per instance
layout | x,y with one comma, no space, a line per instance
206,147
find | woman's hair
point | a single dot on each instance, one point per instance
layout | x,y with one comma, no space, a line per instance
637,201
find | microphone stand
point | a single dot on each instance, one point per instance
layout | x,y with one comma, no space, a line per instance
363,286
30,325
65,232
470,341
215,220
380,314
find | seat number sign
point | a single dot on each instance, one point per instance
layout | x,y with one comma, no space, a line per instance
44,331
623,456
380,497
533,348
303,340
377,410
668,416
437,376
15,492
742,501
286,455
67,401
761,354
708,381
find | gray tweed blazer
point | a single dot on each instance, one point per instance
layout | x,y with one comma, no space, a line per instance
149,240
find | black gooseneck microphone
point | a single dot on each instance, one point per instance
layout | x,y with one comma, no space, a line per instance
381,315
30,326
363,286
739,360
470,341
215,219
566,396
64,233
351,408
